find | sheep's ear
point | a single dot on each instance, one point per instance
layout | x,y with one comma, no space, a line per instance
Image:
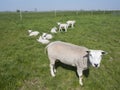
88,51
103,52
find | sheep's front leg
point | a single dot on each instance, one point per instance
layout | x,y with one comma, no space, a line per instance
72,25
79,71
65,29
60,29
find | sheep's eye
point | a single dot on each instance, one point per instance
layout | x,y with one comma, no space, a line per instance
90,55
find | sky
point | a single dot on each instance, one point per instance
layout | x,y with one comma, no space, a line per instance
50,5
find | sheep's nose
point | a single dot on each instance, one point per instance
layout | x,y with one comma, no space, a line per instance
96,65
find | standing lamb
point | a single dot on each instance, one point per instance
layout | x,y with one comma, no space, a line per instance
70,54
71,23
62,26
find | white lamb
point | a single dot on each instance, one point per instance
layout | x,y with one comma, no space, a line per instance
71,23
54,30
62,26
42,40
33,33
47,36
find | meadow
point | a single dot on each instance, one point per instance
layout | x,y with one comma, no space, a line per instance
25,66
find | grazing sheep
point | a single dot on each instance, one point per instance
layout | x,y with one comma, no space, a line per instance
71,23
70,54
54,30
47,36
62,26
42,40
33,33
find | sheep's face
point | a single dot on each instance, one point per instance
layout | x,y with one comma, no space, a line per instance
29,31
58,23
55,28
95,57
74,21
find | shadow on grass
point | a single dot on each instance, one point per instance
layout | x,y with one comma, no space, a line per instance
68,67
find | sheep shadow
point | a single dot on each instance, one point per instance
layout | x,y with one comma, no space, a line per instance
68,67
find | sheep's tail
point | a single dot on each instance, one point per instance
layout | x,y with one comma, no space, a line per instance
49,44
45,51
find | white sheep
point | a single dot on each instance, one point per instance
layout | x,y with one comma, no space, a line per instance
62,26
71,23
47,36
54,30
33,33
42,40
74,55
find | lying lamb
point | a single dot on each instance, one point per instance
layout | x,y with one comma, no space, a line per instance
33,33
54,30
62,26
42,40
47,36
70,54
71,23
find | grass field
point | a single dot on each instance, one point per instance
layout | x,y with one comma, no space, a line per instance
25,66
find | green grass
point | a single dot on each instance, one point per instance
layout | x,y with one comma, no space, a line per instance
25,66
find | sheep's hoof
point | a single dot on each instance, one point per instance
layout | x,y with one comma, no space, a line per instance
80,82
53,75
55,71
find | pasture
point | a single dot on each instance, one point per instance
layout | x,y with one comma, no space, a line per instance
25,66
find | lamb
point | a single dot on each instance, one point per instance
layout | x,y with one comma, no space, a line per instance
62,26
74,55
42,40
47,36
54,30
33,33
71,23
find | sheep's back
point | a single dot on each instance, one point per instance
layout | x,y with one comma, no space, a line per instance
63,49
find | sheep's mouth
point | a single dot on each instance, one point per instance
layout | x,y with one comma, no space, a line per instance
96,65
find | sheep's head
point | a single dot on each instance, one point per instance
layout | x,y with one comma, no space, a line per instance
29,31
55,28
44,34
74,21
95,57
58,23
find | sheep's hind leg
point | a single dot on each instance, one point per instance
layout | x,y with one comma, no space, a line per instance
52,70
52,67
